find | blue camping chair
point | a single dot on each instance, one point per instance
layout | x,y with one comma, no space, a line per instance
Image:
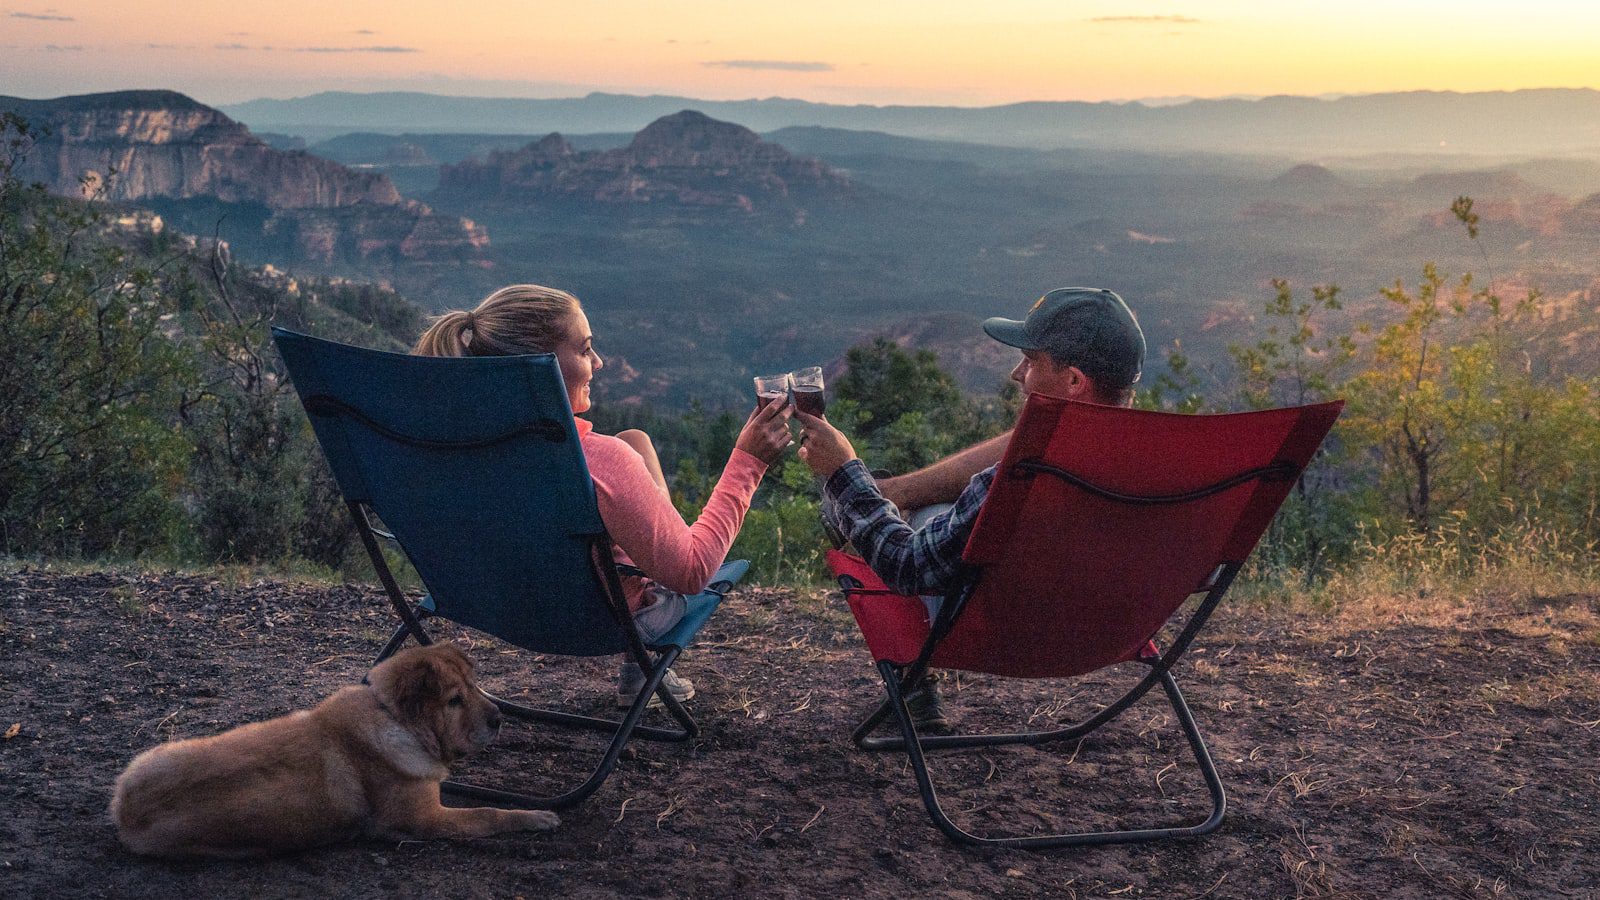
474,467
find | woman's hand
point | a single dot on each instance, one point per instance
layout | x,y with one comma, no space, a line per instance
766,433
825,448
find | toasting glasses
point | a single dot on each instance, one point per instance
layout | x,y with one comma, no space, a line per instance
803,386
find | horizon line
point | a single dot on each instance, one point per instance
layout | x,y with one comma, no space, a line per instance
1154,102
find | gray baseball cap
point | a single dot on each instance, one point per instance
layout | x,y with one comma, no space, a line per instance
1091,328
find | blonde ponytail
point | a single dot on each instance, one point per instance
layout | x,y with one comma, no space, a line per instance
518,318
449,335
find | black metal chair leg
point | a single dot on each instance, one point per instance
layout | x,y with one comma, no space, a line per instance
403,631
914,750
686,727
864,739
1219,798
624,731
862,736
621,731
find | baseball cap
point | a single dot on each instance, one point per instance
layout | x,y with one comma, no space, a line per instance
1091,328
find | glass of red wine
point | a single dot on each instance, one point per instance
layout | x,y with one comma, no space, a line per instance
807,387
770,388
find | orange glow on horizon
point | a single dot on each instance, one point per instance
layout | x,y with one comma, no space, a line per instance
893,51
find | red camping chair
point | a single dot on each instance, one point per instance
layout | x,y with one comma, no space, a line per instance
1100,523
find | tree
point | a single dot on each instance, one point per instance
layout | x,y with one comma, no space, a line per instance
262,490
885,382
89,460
1463,419
1298,361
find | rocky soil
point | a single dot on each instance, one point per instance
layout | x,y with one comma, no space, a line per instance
1445,755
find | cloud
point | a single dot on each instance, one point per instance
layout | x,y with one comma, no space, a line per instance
320,49
772,65
42,17
363,31
357,50
1145,20
58,48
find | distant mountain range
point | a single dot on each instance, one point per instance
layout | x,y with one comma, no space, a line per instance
164,144
705,252
1540,122
686,159
207,173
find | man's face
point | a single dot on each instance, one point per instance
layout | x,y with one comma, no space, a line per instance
1038,372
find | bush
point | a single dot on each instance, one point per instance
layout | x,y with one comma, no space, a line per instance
90,462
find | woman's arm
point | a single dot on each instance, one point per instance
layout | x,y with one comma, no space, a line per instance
644,523
642,520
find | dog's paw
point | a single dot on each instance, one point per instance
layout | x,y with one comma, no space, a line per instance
537,820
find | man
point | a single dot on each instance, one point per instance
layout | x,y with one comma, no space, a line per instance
1077,344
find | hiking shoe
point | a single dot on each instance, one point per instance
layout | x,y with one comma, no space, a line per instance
923,704
630,681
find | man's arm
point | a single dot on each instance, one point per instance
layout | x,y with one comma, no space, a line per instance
943,481
909,561
920,561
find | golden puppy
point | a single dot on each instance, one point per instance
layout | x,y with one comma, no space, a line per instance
367,761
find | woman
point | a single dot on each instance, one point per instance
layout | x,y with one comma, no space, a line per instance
632,492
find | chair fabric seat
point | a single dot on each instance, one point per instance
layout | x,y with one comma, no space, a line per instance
896,626
700,607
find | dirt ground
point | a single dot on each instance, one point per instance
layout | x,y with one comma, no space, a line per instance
1449,757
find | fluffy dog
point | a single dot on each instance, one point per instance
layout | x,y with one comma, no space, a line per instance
365,762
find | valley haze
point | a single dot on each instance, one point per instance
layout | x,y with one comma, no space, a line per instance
710,239
1539,121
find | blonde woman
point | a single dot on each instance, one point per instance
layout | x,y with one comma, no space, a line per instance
632,492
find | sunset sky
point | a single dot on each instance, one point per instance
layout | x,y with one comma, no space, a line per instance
864,51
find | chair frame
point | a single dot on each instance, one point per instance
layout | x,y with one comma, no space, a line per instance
899,679
653,663
654,659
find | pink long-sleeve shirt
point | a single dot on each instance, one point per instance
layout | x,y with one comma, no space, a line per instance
648,530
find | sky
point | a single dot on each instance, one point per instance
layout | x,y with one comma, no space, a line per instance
966,53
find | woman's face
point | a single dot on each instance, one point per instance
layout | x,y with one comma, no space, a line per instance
578,361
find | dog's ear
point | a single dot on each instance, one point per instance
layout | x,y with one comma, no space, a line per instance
455,654
410,683
417,687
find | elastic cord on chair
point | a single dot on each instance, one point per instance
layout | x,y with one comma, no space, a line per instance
326,405
1278,471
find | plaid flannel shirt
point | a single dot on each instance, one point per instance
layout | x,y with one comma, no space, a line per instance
909,562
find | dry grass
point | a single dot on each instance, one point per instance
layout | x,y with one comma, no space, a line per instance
229,575
1444,578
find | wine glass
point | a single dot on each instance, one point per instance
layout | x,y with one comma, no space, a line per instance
807,386
770,388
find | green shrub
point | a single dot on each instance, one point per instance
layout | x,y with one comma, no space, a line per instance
90,462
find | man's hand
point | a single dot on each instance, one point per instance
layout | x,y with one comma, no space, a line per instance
824,448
